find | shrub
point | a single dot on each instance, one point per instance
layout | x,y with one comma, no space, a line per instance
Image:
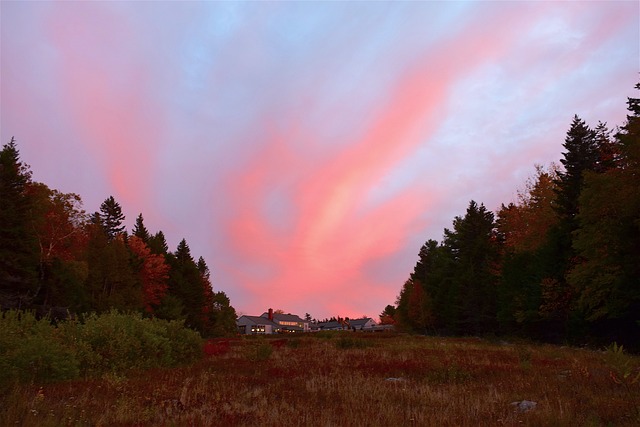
31,350
35,350
119,342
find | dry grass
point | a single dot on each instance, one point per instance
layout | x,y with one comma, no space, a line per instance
351,380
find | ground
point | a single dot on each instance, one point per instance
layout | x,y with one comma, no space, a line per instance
352,379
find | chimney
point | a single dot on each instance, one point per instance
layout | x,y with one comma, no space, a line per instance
271,314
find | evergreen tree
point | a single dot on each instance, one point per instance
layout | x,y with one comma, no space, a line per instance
427,306
158,244
581,155
112,218
140,231
608,154
474,248
203,269
223,315
185,283
207,314
607,241
18,247
403,317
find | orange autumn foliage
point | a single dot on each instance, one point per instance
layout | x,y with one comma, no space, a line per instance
524,224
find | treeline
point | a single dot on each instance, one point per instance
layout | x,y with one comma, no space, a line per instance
56,259
560,264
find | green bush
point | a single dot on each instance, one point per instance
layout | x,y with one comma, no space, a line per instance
35,350
119,342
31,350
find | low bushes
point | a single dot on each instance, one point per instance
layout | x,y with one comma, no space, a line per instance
36,350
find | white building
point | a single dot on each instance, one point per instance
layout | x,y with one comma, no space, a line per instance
271,323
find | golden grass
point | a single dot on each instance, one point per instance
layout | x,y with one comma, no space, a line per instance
364,380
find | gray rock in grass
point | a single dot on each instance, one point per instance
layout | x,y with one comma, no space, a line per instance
524,405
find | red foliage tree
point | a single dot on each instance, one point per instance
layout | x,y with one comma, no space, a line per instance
153,273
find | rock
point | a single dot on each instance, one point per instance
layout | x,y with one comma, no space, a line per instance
394,379
525,405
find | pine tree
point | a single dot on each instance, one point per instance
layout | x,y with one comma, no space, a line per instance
158,244
18,247
581,155
140,231
207,297
608,150
185,283
607,241
112,218
183,253
203,269
474,248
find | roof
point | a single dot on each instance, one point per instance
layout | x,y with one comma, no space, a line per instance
285,317
329,325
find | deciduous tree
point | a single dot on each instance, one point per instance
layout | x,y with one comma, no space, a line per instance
152,271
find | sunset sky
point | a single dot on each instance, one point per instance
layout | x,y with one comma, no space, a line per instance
306,149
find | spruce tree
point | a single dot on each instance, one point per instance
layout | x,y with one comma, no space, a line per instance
185,283
112,218
607,242
473,276
140,231
158,244
581,155
18,248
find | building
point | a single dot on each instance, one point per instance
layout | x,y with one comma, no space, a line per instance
364,324
272,323
252,325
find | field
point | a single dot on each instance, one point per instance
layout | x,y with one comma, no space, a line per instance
351,379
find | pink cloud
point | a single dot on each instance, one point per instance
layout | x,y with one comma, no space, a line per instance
107,94
319,259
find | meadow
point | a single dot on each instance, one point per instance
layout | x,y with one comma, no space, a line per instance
350,379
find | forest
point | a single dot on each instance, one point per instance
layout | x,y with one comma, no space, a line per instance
560,264
58,261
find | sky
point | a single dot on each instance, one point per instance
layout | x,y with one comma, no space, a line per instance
306,150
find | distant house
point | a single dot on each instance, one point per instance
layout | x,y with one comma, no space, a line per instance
252,325
271,323
331,326
364,324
